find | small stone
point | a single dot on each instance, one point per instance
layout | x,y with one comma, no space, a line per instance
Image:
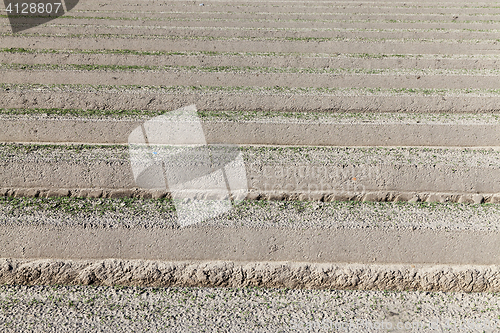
311,196
343,197
276,196
211,195
391,196
253,196
495,198
434,198
447,198
58,193
477,198
94,194
404,197
293,196
316,196
414,199
158,194
43,193
26,192
465,199
375,197
329,197
18,193
115,194
145,194
86,193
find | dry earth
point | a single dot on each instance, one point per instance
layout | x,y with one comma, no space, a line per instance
391,87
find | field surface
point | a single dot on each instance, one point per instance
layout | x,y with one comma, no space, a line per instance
118,309
368,132
255,55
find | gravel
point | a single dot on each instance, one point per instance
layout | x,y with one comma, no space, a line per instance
133,309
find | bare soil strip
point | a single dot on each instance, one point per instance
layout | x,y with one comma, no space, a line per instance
284,170
217,79
341,10
350,131
143,44
454,21
240,59
181,27
383,4
203,243
250,70
294,7
245,100
201,37
414,17
440,28
101,28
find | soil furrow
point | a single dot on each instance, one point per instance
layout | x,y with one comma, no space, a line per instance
333,9
238,32
450,22
318,61
312,7
278,15
247,99
289,170
101,292
430,4
283,24
335,39
141,44
100,127
340,71
186,78
252,244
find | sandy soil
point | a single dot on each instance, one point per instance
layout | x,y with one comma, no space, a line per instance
118,309
414,57
464,63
